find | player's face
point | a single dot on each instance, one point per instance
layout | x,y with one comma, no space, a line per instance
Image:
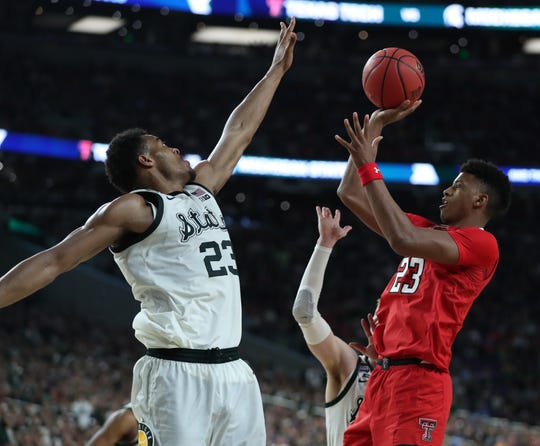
458,199
168,160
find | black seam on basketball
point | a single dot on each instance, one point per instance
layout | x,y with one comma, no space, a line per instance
370,72
401,81
414,70
383,81
373,69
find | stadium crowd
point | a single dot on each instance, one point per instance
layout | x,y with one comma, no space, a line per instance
62,377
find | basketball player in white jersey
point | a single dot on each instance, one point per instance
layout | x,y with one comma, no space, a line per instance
347,371
169,239
120,429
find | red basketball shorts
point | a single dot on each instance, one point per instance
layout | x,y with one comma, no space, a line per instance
404,405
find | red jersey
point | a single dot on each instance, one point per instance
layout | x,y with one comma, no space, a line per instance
425,303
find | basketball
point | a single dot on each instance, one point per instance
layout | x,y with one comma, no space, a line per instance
391,76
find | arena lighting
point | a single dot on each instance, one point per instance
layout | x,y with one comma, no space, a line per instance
235,36
452,15
424,174
531,46
93,24
522,175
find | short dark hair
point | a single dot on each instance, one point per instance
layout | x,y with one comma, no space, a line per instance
495,181
122,158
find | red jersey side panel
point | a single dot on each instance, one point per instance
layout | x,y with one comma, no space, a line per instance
425,303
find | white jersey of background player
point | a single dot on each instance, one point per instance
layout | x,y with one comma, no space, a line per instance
347,371
190,388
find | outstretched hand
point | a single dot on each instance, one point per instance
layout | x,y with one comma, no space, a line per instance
369,349
365,138
380,118
283,55
330,230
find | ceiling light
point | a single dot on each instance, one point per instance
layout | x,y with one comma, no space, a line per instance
93,24
235,36
531,46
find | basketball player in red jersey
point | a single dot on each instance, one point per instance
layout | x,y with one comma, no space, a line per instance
444,268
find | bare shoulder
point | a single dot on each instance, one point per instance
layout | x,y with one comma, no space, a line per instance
129,211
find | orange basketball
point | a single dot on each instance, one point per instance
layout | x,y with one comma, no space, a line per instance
392,75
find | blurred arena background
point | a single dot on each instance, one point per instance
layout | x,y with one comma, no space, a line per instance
67,352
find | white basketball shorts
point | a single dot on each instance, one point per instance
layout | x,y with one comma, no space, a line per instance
192,404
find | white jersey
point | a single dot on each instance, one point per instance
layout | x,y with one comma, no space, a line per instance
183,272
342,410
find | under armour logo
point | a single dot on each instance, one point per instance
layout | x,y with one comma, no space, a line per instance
376,170
428,426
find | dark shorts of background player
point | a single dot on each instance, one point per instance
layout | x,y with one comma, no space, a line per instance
404,405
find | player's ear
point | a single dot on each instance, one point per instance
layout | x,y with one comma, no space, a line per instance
144,160
480,200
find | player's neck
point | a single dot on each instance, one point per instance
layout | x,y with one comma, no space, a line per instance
473,220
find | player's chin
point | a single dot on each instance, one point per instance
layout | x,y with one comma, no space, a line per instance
443,215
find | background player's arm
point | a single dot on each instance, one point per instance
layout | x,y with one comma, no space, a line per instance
121,425
129,213
337,358
247,116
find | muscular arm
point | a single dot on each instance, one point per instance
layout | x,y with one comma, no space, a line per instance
247,117
128,213
352,194
404,238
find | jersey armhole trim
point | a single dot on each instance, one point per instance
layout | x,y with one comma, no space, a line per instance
157,201
342,394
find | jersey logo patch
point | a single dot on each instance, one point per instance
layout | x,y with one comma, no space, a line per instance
427,425
201,194
146,437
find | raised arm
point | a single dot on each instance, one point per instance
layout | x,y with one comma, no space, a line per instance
403,237
350,190
107,226
247,116
352,195
337,358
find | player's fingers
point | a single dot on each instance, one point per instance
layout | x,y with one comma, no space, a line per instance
292,24
366,123
354,137
358,347
366,328
405,104
344,143
376,141
372,323
356,122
